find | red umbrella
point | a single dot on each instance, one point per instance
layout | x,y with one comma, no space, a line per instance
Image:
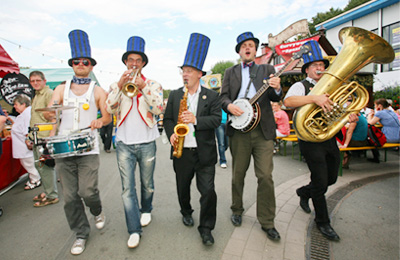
7,64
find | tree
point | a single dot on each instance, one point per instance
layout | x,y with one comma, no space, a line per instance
220,67
322,17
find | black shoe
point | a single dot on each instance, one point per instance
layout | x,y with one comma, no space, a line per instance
375,160
236,220
207,238
188,220
328,232
304,202
272,233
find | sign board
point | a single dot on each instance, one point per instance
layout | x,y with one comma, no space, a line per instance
14,84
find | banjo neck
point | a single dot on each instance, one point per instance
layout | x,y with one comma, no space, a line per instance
265,86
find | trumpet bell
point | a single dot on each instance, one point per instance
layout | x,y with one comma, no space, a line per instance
130,90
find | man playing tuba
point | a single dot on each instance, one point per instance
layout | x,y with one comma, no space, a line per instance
323,158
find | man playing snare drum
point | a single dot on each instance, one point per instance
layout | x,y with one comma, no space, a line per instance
79,172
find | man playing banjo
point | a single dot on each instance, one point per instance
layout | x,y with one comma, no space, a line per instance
243,81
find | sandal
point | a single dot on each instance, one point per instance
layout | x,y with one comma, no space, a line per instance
30,186
45,202
39,197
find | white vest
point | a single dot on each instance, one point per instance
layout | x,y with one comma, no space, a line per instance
78,118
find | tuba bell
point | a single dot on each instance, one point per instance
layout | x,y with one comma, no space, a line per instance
360,47
130,89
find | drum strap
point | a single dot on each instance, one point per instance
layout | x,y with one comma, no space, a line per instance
77,102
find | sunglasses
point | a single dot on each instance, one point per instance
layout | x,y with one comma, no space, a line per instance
76,62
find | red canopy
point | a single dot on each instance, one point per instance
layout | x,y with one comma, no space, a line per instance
7,64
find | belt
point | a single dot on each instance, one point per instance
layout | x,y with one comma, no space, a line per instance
190,148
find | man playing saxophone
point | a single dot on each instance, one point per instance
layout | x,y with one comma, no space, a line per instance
136,100
323,158
202,114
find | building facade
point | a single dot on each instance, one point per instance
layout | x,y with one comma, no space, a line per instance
381,17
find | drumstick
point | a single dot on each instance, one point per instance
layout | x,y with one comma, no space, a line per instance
79,130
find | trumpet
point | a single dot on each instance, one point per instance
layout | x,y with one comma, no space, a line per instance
130,89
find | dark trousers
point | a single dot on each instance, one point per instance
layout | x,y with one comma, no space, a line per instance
79,180
185,168
106,135
244,146
323,160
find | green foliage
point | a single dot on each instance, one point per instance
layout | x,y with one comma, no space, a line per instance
220,67
390,92
166,93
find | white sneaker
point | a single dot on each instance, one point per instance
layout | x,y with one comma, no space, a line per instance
78,247
223,165
100,220
145,219
133,240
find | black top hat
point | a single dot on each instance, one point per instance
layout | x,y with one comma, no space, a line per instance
244,37
80,47
135,45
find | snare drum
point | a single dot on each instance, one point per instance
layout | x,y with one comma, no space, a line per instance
64,146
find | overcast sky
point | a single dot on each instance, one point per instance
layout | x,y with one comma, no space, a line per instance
38,30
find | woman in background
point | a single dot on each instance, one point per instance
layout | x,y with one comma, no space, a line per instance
19,132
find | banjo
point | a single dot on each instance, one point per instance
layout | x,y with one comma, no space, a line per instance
252,113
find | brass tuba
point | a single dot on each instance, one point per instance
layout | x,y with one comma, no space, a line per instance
181,129
360,47
130,89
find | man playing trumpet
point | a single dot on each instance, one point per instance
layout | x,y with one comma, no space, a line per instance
136,100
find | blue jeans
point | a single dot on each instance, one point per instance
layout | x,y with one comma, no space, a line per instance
127,157
222,139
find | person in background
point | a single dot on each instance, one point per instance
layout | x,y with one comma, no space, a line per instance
242,81
136,135
3,119
199,153
47,173
222,139
106,135
356,136
19,131
281,120
389,121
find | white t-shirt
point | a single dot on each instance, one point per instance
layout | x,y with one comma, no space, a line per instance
134,130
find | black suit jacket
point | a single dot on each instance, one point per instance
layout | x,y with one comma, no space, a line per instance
230,90
208,119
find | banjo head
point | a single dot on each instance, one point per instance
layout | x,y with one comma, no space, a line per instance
242,121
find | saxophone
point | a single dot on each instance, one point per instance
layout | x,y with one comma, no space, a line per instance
360,47
181,129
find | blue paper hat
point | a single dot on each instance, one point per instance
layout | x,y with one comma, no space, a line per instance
313,54
135,45
197,51
244,37
80,47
